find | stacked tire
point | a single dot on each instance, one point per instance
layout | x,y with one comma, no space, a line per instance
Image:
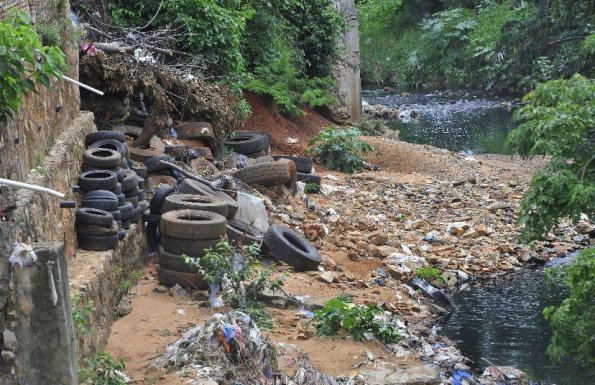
303,166
187,233
249,143
108,185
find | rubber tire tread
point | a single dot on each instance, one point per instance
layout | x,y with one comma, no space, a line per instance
126,211
174,262
100,194
133,200
308,178
190,247
265,174
130,180
206,226
112,144
302,163
93,217
101,204
108,182
97,242
187,280
137,214
194,202
90,158
153,166
158,197
189,186
247,142
278,240
100,135
242,233
98,230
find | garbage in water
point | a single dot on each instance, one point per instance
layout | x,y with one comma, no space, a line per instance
458,375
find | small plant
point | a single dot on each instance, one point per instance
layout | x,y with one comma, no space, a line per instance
246,277
80,316
400,217
430,274
359,321
371,127
339,149
312,188
102,369
127,283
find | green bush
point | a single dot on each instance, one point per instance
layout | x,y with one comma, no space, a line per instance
430,274
101,369
23,62
341,314
339,148
572,323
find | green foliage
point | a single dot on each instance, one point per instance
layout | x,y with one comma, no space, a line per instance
312,188
558,120
572,323
80,315
339,148
126,283
430,274
371,127
247,277
101,369
341,314
23,62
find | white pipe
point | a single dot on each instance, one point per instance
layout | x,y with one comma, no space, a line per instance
82,85
33,187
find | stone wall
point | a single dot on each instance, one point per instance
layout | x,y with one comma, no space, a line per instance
346,71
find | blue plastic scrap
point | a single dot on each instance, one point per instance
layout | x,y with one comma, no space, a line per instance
458,375
228,331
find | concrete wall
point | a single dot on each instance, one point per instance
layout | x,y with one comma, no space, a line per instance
346,71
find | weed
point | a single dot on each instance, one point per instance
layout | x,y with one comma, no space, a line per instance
312,188
102,369
430,274
80,316
359,321
339,149
126,284
371,127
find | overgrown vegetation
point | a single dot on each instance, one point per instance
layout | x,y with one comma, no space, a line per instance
312,188
502,45
558,120
573,324
80,315
339,148
362,322
101,369
430,274
242,277
282,50
24,62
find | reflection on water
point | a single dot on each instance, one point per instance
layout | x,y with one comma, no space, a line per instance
456,121
502,322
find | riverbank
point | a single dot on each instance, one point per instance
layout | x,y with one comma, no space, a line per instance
425,207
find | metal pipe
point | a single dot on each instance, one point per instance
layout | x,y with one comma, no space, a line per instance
32,187
82,85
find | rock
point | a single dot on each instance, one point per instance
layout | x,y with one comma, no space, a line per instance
156,144
7,356
161,289
178,291
461,275
378,239
385,251
479,231
327,276
398,272
422,374
124,308
579,238
10,340
506,248
512,375
584,227
450,278
499,206
457,228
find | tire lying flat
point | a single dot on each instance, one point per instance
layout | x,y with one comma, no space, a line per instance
290,247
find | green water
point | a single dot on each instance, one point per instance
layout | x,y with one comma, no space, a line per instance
463,121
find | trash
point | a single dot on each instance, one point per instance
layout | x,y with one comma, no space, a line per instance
172,133
181,312
291,140
458,375
23,255
431,237
215,301
252,210
381,277
330,177
226,343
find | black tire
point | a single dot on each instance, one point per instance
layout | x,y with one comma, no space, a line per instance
189,186
132,193
194,202
291,248
100,135
126,224
159,196
112,144
136,215
126,211
308,178
98,180
93,217
153,164
242,233
192,224
100,194
121,199
97,242
187,280
130,180
119,171
247,142
102,204
140,183
153,237
431,292
258,154
98,230
102,158
302,163
265,174
128,130
119,188
133,200
190,247
117,215
175,262
125,163
148,217
267,136
140,170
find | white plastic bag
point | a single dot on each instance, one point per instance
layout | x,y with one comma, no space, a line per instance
252,211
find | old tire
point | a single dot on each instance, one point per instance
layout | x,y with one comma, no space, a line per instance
153,236
102,158
258,154
302,163
194,202
97,242
128,130
112,144
192,224
153,164
93,217
98,230
242,233
101,204
159,196
187,280
137,214
308,178
190,247
140,169
98,180
126,211
291,248
189,186
133,200
247,142
175,262
265,174
100,135
130,180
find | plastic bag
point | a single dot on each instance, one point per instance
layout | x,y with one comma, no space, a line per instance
252,211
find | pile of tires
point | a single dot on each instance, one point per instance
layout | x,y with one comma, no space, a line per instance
288,246
303,166
188,233
268,174
249,143
109,185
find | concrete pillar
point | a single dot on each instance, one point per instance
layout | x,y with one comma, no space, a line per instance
38,335
346,71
